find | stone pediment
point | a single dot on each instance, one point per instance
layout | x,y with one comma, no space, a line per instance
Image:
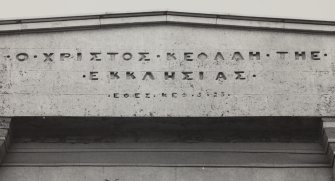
166,64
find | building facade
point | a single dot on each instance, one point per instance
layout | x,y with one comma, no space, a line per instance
167,96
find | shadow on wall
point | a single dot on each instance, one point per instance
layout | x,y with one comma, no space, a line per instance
115,129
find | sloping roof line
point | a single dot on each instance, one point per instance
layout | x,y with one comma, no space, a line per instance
117,19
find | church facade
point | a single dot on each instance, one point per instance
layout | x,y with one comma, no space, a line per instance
167,96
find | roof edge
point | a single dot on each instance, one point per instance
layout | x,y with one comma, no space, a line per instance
101,20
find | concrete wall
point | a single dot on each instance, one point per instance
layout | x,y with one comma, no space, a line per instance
217,72
163,174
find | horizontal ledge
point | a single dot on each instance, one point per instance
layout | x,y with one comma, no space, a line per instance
161,150
164,17
163,165
169,159
303,148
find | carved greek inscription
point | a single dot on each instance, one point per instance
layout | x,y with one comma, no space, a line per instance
178,65
187,75
149,95
144,56
188,56
171,56
130,75
169,75
48,57
237,56
127,56
240,75
79,56
22,57
219,56
315,55
114,75
145,74
112,55
300,55
201,75
254,55
172,75
116,95
64,56
221,75
202,56
94,75
282,55
95,56
148,75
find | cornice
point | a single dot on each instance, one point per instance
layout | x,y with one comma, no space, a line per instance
162,17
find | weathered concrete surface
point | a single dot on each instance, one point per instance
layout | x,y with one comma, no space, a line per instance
4,136
80,79
162,174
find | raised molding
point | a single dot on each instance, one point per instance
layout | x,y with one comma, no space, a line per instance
162,17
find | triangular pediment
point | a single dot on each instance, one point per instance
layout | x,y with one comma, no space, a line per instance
167,64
